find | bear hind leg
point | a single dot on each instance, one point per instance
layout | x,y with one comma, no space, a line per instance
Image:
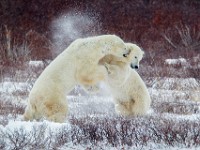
124,108
31,113
56,112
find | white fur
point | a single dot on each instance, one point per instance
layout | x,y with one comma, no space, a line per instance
130,93
131,97
78,64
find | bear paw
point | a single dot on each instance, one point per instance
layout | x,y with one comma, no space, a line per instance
107,66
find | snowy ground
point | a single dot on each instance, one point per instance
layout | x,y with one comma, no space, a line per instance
173,122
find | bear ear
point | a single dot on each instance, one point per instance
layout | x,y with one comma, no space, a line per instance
126,55
143,53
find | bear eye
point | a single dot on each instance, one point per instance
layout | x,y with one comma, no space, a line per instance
136,57
125,55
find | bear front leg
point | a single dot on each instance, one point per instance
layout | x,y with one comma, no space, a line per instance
56,111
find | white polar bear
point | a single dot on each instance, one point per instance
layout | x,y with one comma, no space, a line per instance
78,64
130,93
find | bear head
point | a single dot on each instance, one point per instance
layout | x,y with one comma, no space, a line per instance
134,56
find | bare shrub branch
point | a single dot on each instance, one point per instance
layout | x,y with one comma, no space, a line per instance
183,38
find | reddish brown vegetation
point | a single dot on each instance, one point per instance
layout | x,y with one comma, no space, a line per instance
141,21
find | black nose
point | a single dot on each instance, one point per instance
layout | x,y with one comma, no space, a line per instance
134,67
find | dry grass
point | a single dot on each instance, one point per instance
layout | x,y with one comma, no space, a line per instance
157,67
180,108
170,124
175,120
111,132
164,126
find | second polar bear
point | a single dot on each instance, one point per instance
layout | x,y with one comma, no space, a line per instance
129,91
78,64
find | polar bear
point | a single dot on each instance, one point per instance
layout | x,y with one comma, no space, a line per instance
78,64
130,93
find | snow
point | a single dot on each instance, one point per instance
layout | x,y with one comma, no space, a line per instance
72,25
10,87
175,83
28,126
171,102
182,61
36,63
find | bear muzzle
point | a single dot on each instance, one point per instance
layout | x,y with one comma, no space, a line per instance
134,66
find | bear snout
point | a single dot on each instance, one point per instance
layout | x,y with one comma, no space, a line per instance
134,66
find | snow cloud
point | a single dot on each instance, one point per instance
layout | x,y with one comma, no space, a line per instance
70,26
